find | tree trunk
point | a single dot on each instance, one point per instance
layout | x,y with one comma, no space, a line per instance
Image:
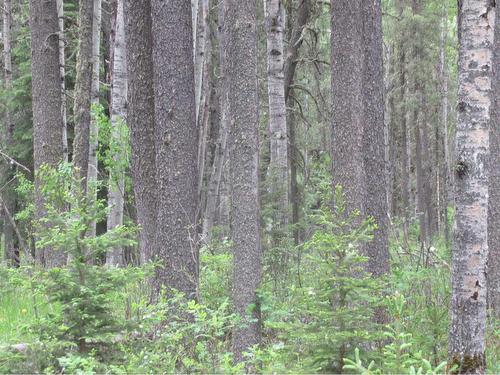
176,136
83,87
46,92
140,119
470,245
278,166
494,183
446,170
62,69
116,191
347,102
244,159
292,53
375,199
221,150
204,59
93,130
6,135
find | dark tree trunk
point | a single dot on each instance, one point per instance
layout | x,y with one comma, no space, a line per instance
375,199
244,165
83,87
347,101
176,136
140,118
494,182
47,117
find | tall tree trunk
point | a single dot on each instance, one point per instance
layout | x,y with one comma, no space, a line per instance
6,135
375,199
347,102
176,148
83,88
446,171
494,182
140,118
221,150
470,238
93,130
62,69
116,192
244,159
46,91
204,59
292,53
278,166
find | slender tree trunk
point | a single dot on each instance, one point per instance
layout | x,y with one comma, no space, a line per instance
221,150
116,192
470,242
62,69
93,130
140,118
278,166
6,134
204,59
46,91
83,87
244,157
375,199
494,182
292,53
446,171
347,103
176,148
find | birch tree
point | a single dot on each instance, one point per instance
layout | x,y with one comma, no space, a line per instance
278,166
470,238
119,139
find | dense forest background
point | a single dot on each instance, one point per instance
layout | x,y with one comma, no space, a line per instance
228,186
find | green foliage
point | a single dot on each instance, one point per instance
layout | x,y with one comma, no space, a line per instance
399,355
183,337
331,308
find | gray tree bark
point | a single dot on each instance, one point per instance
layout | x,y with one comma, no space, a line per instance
93,130
374,161
140,118
83,87
221,150
46,92
6,135
278,166
494,182
244,159
62,69
347,101
176,147
116,192
292,53
470,238
446,170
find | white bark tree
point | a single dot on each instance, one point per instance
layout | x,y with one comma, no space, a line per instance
118,142
470,238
